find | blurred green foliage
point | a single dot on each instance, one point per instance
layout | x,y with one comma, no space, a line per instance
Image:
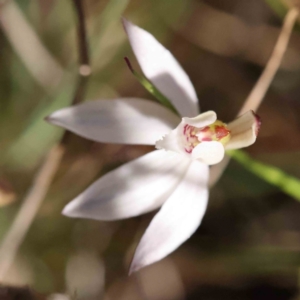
288,184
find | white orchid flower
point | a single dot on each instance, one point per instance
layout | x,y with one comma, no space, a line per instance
175,176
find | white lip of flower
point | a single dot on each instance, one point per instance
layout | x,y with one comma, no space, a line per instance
175,179
205,138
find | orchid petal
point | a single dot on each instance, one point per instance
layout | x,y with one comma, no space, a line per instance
135,188
163,70
122,121
177,220
243,131
201,120
209,152
169,142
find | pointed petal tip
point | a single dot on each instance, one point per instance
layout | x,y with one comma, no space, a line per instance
244,130
124,20
65,212
132,270
69,210
126,24
162,69
137,265
47,119
176,221
51,118
115,120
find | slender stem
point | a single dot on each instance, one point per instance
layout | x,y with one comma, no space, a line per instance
84,60
84,70
258,92
32,202
81,32
29,208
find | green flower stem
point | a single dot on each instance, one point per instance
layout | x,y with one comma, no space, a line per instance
274,176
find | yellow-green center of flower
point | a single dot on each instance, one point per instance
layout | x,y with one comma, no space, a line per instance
193,136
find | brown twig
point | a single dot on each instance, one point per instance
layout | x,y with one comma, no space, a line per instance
84,70
84,60
21,224
15,236
81,32
258,92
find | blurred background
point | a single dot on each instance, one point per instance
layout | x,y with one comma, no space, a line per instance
248,244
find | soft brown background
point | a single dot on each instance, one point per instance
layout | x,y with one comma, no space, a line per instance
248,244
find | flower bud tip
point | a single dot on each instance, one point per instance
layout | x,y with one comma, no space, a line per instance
47,119
129,64
257,122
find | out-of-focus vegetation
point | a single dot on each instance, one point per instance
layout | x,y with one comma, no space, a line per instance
248,244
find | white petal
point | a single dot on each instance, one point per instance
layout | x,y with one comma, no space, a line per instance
244,131
201,120
122,121
135,188
163,70
209,152
177,220
169,142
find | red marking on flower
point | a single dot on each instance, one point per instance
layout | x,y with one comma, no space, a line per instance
185,129
257,123
205,129
188,150
206,139
221,132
